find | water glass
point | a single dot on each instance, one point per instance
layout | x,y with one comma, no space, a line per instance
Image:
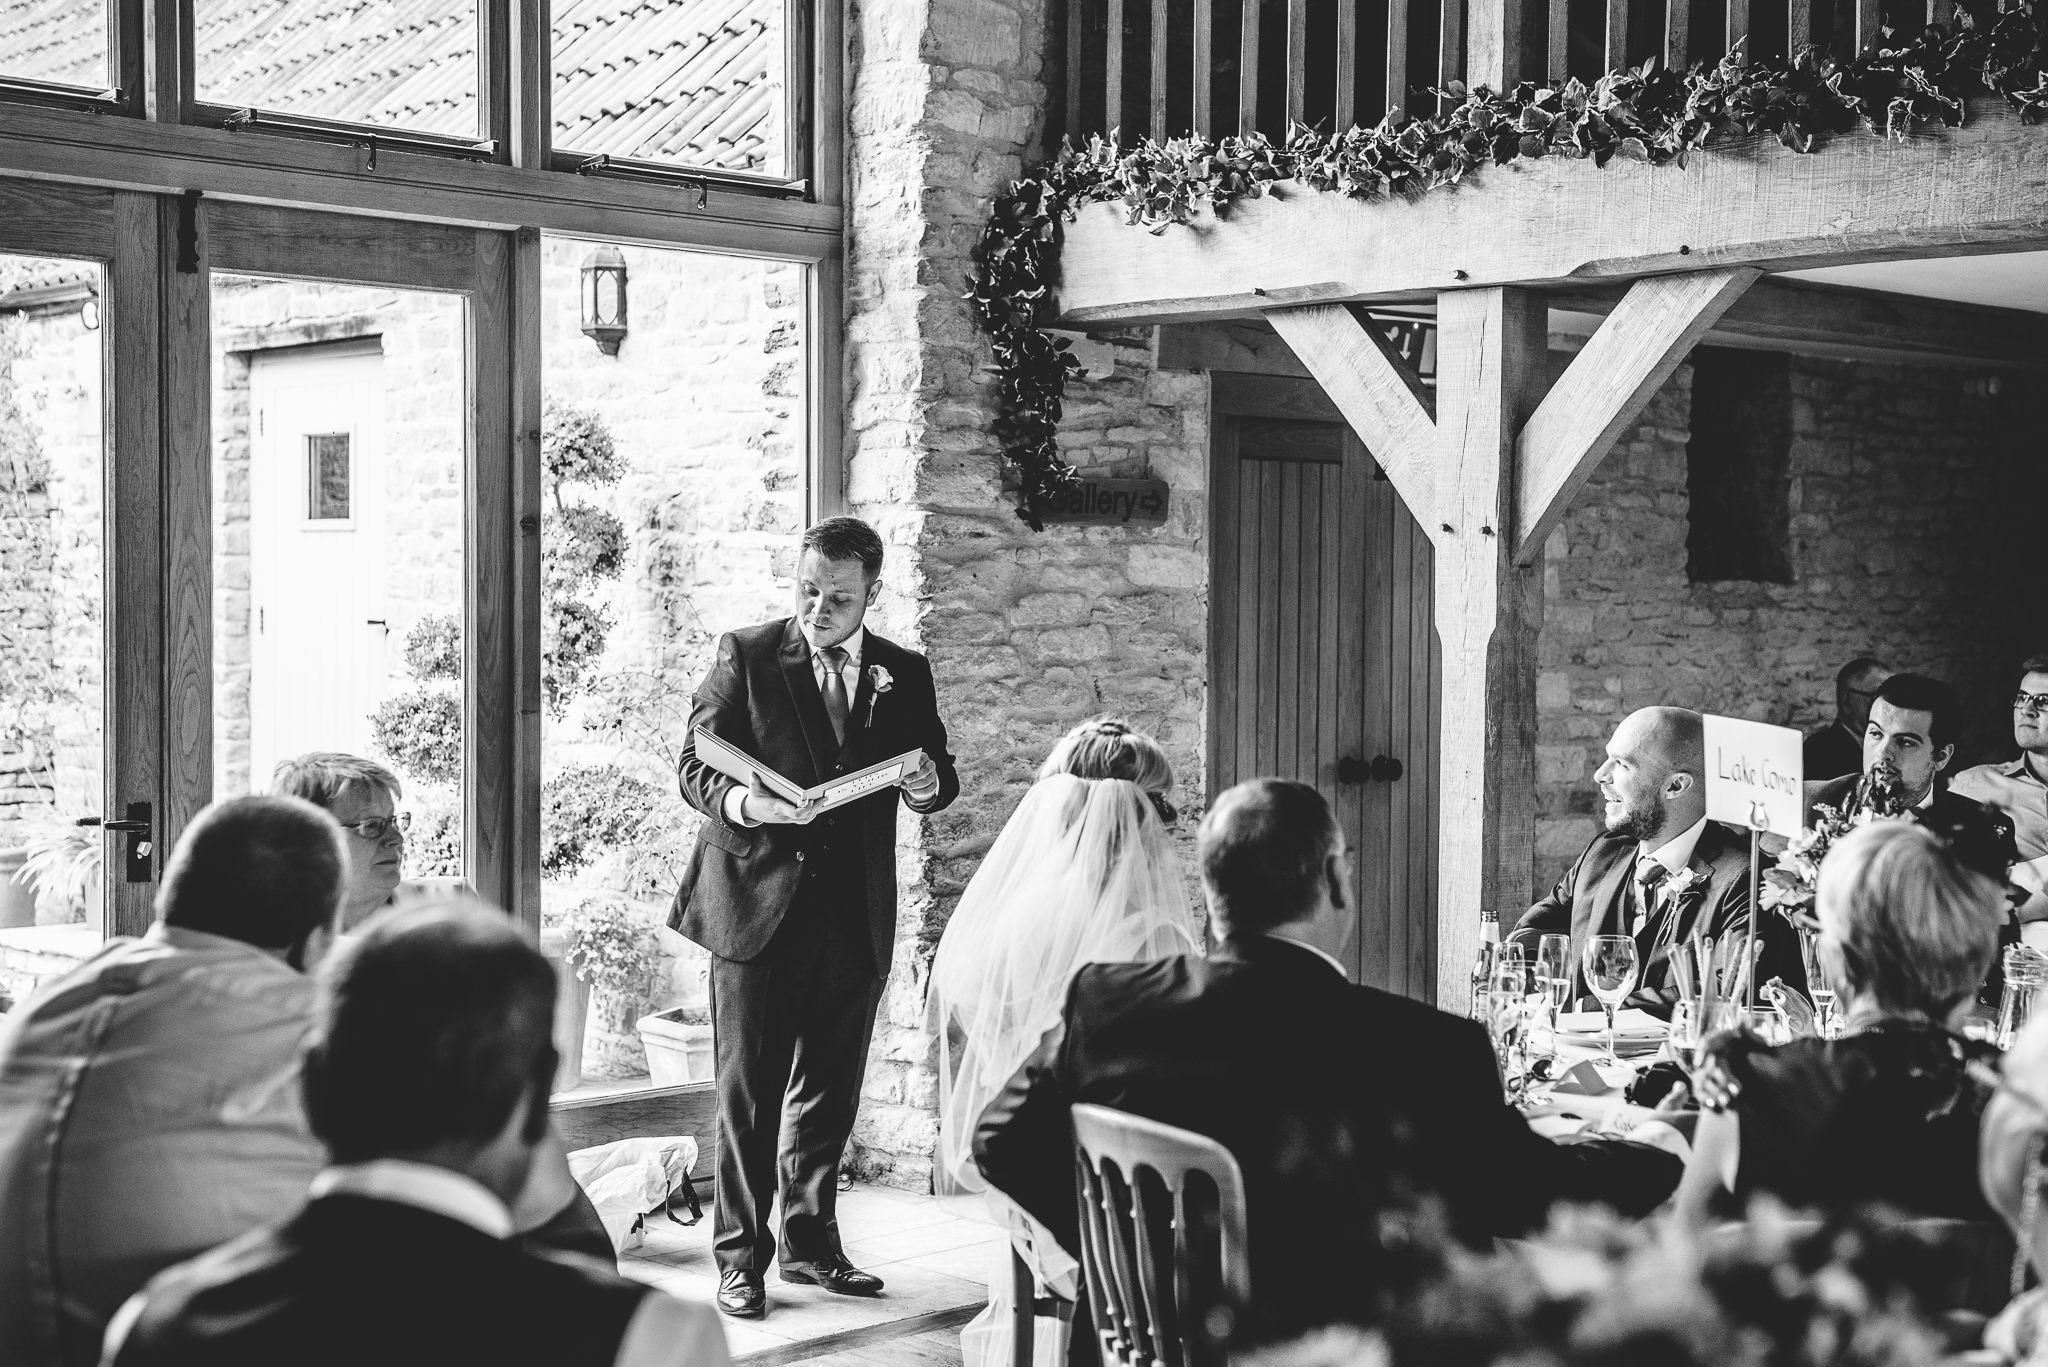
1611,966
1508,1016
1554,971
2026,974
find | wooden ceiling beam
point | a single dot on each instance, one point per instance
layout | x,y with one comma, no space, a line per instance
1374,389
1556,223
1605,388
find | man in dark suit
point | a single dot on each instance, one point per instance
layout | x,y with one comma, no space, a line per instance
427,1078
1908,745
1660,871
1340,1102
1837,748
798,908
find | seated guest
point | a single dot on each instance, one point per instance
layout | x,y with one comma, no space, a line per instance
1660,871
149,1098
1837,748
2011,1167
362,795
2018,790
427,1080
1909,742
1337,1100
1890,1111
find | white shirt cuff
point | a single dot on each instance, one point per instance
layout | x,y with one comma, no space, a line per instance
734,813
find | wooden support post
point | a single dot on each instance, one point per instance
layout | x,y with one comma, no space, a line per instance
1248,67
1493,42
1490,368
1557,49
1396,94
1156,91
1373,388
1603,392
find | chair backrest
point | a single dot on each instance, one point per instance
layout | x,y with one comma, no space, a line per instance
1162,1239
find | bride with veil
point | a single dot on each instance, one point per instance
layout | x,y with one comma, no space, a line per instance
1084,872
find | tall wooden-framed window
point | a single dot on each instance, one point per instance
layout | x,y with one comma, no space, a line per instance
163,179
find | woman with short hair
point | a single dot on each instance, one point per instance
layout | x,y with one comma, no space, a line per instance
1890,1111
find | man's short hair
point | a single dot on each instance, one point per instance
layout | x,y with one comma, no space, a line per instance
2034,664
846,538
1263,847
433,1026
1916,927
324,775
267,871
1918,693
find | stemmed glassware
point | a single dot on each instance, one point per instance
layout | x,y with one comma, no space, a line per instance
1554,971
1508,1017
1611,964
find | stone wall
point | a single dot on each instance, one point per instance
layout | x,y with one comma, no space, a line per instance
1909,541
52,538
1029,632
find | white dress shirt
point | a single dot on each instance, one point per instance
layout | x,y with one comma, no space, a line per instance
664,1331
1675,853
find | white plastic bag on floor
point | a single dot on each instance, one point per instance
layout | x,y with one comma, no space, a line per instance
628,1178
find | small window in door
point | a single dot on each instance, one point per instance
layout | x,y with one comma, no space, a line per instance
327,477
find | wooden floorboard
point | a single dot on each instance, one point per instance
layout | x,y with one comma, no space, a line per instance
921,1341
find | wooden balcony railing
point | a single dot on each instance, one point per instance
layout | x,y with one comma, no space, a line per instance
1170,67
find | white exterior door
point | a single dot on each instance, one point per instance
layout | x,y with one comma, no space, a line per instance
317,594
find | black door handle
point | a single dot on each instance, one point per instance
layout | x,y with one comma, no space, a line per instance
1380,769
139,859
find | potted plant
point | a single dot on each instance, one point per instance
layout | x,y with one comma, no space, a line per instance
610,943
63,864
678,1044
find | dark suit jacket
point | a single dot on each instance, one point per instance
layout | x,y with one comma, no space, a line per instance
1830,752
351,1280
1981,837
1337,1100
762,698
1590,899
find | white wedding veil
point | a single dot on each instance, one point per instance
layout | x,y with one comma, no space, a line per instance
1084,872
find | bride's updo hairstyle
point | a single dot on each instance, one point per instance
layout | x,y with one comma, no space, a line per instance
1108,747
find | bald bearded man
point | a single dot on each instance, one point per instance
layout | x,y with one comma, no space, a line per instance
1659,870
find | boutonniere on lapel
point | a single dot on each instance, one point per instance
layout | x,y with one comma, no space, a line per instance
1687,879
883,682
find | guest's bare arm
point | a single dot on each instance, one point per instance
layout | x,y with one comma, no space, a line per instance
1716,1150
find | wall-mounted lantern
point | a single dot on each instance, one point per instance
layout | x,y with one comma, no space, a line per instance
604,298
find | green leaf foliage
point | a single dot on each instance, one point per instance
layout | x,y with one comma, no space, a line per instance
421,732
576,447
433,648
588,811
581,545
1904,83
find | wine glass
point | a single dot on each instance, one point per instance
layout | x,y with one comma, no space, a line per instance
1507,1015
1610,964
1554,971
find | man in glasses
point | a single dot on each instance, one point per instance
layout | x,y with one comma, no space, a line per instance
2019,789
1837,748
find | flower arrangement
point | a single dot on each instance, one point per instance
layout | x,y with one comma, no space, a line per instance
1789,888
1857,1291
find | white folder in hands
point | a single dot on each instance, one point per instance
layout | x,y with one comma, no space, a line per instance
844,788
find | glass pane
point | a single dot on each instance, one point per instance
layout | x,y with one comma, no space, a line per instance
52,618
338,570
409,64
61,41
690,82
327,476
675,493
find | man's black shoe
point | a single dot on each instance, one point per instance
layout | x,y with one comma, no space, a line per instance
741,1295
834,1274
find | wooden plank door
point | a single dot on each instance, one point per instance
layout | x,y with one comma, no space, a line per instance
1324,666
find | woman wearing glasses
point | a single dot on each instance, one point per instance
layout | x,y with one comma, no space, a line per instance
362,795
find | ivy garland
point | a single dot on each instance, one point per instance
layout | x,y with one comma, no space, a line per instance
1650,114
